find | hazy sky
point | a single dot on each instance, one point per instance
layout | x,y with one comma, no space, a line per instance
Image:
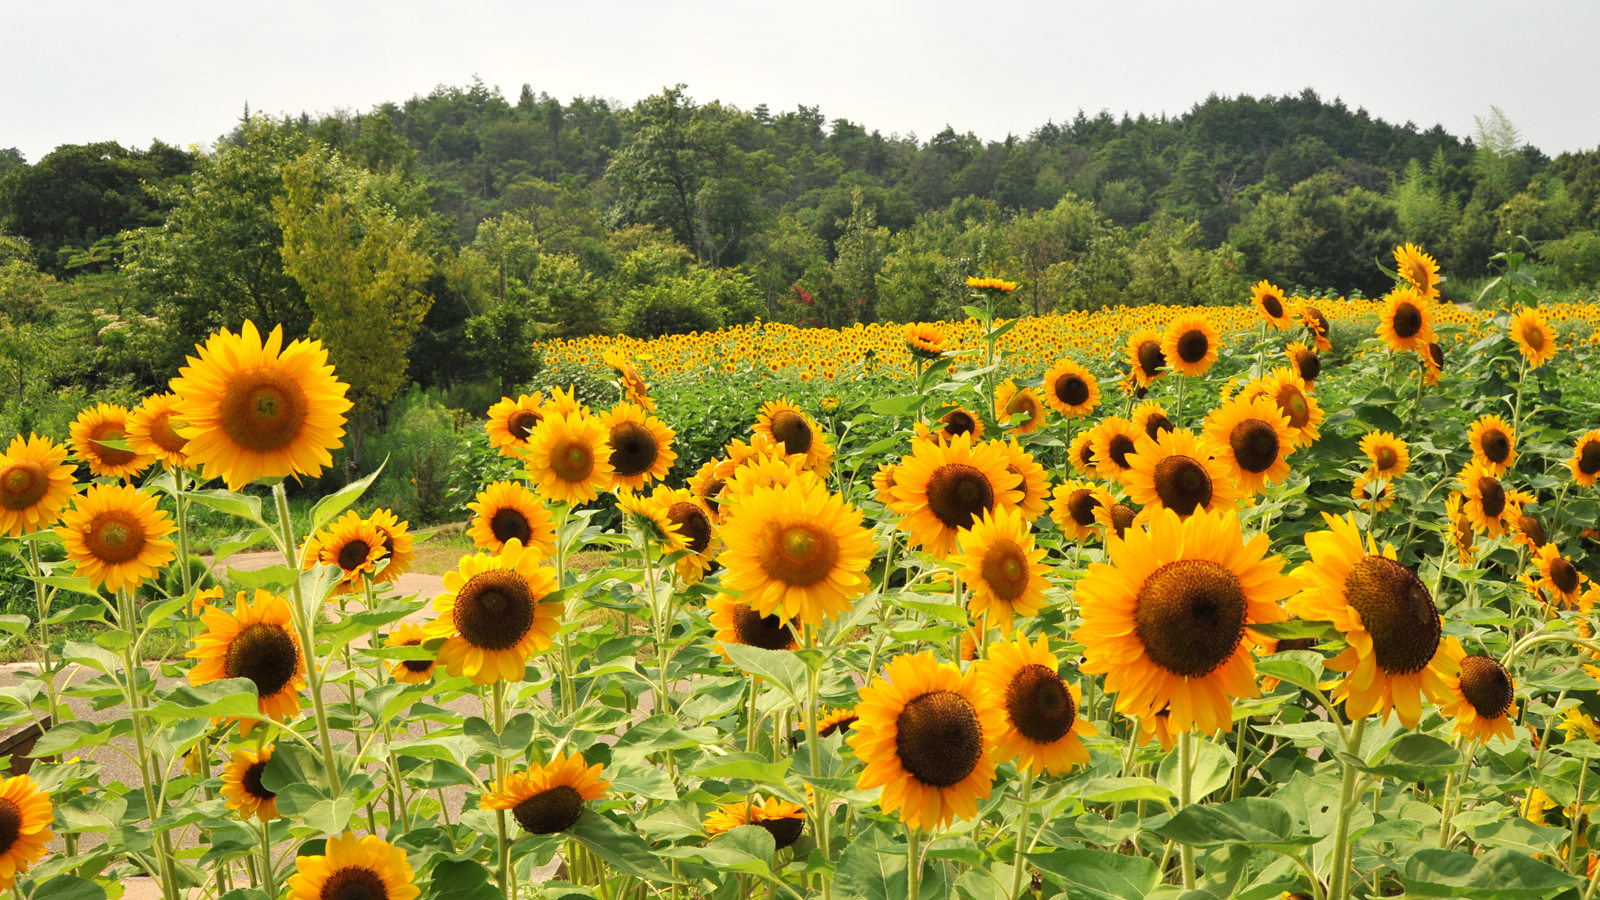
74,71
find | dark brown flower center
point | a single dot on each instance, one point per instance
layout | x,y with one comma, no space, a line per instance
755,630
791,428
549,811
713,491
693,524
958,494
1589,458
1486,685
522,423
784,830
1071,389
1436,353
1308,364
494,609
354,883
1039,705
1397,611
1293,404
163,435
796,550
1272,305
1118,449
22,484
1190,616
263,410
115,536
251,781
1530,527
633,448
1564,575
1005,570
1492,496
1255,445
1288,644
1533,335
1122,517
1157,423
1386,458
1193,345
1081,505
10,824
842,725
1023,402
939,739
1183,484
1407,319
1151,359
267,654
1496,446
354,554
111,456
958,422
507,523
572,459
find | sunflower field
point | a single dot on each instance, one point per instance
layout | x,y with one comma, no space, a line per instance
1288,599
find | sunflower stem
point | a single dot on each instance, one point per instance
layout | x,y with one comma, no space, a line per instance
1186,752
819,806
41,596
498,703
1339,874
913,863
568,702
1577,819
304,623
751,723
131,666
1516,411
1018,856
268,876
1177,413
180,512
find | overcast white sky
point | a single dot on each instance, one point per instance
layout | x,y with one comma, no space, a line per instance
73,71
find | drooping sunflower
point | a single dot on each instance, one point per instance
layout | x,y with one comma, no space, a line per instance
399,546
257,409
1494,444
1271,304
506,510
798,433
256,641
1585,461
548,798
1150,418
737,623
955,423
695,527
635,389
924,340
152,431
942,489
352,868
797,551
1483,699
1461,533
355,547
1405,323
707,485
1177,472
99,424
1483,499
1146,358
1012,400
1534,337
1365,488
1081,453
1190,344
27,815
641,446
1318,325
1559,576
1398,652
1252,439
1000,566
1432,364
36,484
1306,364
1419,269
785,821
511,422
1070,389
242,788
568,457
114,533
1043,731
1168,620
926,734
1073,508
1035,482
1115,519
1528,531
1115,440
1389,455
410,671
493,614
1293,398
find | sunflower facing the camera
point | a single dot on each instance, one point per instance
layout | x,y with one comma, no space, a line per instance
797,551
352,868
1190,344
1252,439
242,787
1043,731
1405,322
943,488
493,614
506,510
1146,358
36,484
549,798
511,423
1073,508
1178,472
1000,566
1271,304
256,641
1014,400
1070,389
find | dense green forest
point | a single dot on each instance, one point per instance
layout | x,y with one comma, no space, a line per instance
435,241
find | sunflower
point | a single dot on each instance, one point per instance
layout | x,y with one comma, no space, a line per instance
798,433
1419,269
797,550
255,641
493,614
114,533
355,547
92,431
883,485
1528,531
205,598
1318,325
548,799
768,472
1294,400
1146,358
1035,482
1177,472
568,457
1073,507
1150,418
1482,699
1363,490
1252,439
1043,731
1461,533
27,815
924,340
926,734
1535,338
506,510
998,285
399,546
511,422
673,519
1115,440
736,623
562,403
942,489
1484,499
1070,389
1011,400
836,721
1558,575
1168,620
1389,455
1190,344
785,821
410,671
1397,648
635,389
242,788
1306,364
707,485
1432,364
641,446
999,565
254,409
955,422
1081,453
36,484
1404,323
152,431
1494,444
352,868
1585,461
1271,304
1271,646
1157,727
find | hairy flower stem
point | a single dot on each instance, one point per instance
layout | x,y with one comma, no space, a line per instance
1186,753
1339,874
180,512
814,742
499,705
305,620
131,667
41,596
1573,863
569,702
913,863
1018,858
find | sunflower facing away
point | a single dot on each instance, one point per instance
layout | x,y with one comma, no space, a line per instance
1271,304
367,868
1252,438
925,340
1115,440
1432,364
926,734
506,510
942,489
1001,567
1012,400
25,819
511,422
568,458
1558,576
1294,400
1070,389
548,799
1168,620
641,446
736,623
1494,444
1318,325
797,551
1483,500
152,431
1482,699
1404,323
493,614
114,533
1043,731
1398,653
634,388
1146,358
257,409
1306,363
410,671
785,821
797,432
1461,533
256,641
1177,472
36,484
1190,344
1150,418
106,423
1389,455
1585,461
1534,337
242,788
355,547
1073,508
